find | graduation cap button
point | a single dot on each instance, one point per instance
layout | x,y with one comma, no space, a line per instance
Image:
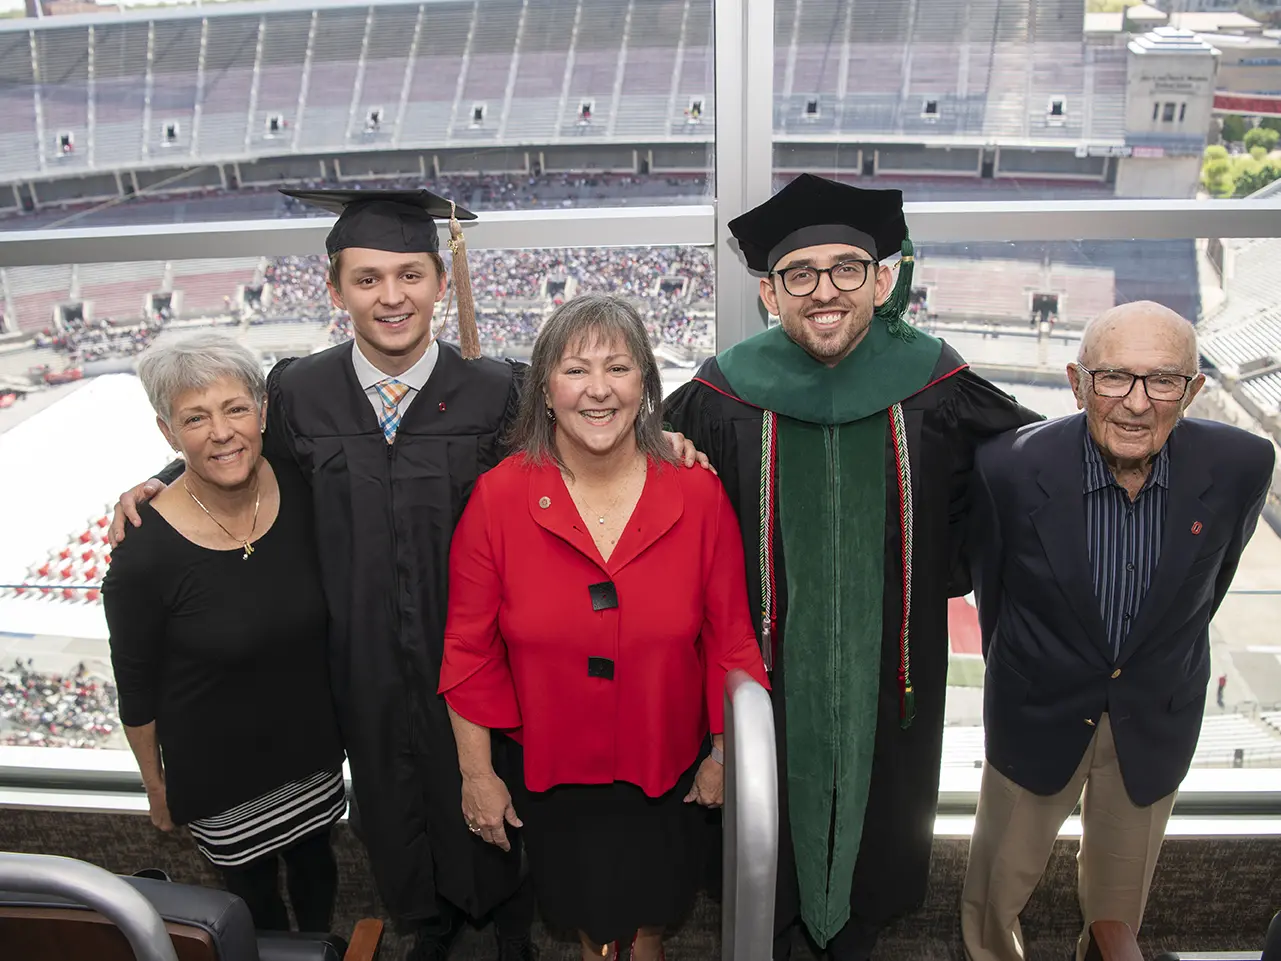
544,502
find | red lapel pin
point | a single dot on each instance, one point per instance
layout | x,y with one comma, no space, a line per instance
442,405
1196,527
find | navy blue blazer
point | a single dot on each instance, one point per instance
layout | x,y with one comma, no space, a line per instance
1050,669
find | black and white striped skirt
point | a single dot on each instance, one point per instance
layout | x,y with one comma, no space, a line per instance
272,822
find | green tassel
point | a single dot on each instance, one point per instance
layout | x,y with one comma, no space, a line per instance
908,709
894,309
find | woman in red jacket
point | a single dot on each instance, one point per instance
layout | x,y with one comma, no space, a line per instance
597,600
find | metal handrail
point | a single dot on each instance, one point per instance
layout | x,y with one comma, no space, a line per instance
95,888
750,855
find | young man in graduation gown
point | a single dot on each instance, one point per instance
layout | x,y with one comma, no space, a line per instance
392,430
848,437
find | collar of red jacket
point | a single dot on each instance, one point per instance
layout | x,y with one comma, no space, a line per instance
661,505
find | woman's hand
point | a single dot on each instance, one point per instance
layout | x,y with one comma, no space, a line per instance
487,806
159,803
709,784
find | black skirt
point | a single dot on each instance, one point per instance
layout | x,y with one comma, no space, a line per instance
606,859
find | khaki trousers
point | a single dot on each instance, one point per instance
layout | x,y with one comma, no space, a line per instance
1014,834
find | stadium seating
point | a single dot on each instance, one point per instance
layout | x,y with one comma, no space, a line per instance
230,83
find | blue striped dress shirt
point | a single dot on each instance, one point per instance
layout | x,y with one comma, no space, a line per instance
1124,538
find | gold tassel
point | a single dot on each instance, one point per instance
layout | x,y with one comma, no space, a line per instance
468,335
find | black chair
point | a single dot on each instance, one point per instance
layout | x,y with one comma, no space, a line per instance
59,909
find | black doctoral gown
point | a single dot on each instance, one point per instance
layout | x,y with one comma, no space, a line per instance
385,515
944,423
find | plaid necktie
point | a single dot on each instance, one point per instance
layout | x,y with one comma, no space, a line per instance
391,392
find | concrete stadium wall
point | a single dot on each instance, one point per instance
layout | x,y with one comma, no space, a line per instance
682,158
611,159
489,161
398,164
278,170
963,161
832,157
1048,163
99,187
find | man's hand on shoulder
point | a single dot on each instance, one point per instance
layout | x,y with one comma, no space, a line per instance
127,507
686,452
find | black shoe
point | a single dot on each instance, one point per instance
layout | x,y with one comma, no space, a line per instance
516,949
433,941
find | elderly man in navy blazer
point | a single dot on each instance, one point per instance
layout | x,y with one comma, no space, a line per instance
1101,545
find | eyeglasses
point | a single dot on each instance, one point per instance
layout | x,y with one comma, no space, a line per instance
848,275
1119,383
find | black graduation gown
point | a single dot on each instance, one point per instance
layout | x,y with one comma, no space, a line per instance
385,515
945,422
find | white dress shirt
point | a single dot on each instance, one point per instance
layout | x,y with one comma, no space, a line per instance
415,378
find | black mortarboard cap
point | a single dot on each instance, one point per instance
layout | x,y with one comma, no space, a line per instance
400,221
811,211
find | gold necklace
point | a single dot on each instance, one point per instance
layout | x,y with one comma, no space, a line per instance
600,519
244,541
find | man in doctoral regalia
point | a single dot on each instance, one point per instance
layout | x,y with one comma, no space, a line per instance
848,436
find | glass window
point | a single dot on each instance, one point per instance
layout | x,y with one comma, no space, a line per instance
88,323
961,106
546,104
1015,312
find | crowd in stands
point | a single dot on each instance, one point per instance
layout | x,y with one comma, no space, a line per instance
515,288
84,340
39,709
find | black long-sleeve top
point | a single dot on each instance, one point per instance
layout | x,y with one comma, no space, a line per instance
227,655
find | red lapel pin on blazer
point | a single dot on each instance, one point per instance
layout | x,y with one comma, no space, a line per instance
1196,527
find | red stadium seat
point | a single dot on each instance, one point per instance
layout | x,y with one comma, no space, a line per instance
86,537
93,595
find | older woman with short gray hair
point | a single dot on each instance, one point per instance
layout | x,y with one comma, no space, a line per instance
218,639
596,602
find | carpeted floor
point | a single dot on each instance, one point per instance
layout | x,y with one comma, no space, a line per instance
1209,894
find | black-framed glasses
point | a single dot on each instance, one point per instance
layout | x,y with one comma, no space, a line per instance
1119,383
848,276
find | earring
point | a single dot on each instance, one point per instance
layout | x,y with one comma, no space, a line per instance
551,415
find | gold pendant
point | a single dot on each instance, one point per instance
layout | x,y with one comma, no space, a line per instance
249,549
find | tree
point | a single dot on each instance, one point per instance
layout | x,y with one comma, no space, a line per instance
1233,129
1216,172
1271,123
1248,181
1264,137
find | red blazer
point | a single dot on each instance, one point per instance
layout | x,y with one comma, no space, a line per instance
526,652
